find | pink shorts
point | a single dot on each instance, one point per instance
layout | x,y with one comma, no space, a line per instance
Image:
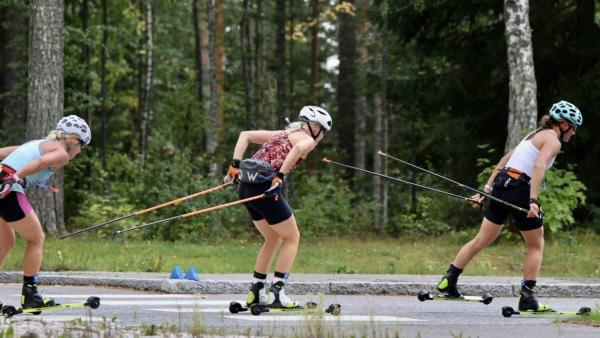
14,207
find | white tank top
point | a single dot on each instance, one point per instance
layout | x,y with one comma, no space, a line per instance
524,156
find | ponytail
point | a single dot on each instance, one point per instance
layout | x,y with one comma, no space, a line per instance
55,135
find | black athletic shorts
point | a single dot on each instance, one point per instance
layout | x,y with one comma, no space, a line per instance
14,207
265,208
514,191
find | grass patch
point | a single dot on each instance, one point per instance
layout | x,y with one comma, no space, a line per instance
593,319
567,255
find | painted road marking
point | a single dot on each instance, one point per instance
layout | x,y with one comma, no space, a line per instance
55,318
121,296
188,310
343,318
162,302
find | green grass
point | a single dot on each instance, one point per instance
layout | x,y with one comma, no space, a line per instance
593,319
567,255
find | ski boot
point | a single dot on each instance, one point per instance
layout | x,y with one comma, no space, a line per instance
447,284
31,298
529,301
277,299
257,294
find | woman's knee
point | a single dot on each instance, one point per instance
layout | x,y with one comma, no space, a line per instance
36,240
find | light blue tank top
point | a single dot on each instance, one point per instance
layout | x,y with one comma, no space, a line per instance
20,157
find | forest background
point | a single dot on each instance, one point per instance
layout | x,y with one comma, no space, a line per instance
168,85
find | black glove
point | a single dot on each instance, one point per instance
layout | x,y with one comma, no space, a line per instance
276,185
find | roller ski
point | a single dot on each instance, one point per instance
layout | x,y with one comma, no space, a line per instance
258,302
449,290
530,306
508,311
9,311
485,298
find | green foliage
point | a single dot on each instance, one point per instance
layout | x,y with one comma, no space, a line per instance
324,205
562,193
419,224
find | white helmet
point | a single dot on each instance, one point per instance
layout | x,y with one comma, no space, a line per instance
316,114
74,124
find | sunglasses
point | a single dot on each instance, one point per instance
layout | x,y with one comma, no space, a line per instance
81,143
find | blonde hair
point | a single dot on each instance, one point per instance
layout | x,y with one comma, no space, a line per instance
55,135
299,125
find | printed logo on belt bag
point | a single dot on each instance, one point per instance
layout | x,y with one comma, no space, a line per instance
256,171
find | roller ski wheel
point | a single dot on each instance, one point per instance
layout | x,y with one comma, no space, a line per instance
235,307
485,299
257,309
507,311
334,309
424,295
92,302
9,311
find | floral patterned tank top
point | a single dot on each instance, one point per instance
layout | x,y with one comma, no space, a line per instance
275,150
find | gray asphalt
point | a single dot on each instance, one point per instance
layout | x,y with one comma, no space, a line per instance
362,315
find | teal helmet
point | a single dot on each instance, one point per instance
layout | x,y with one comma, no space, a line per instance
567,111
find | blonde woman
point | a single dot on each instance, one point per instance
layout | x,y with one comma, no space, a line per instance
517,179
281,151
32,164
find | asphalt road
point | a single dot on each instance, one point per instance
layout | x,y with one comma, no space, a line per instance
374,316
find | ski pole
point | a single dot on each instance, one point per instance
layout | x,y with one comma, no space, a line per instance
482,193
326,160
193,213
145,211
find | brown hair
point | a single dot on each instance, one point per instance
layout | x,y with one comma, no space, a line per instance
546,122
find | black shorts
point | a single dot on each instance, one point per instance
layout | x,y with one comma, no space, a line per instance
14,207
265,208
516,193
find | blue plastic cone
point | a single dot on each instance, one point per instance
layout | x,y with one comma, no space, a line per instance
176,273
192,274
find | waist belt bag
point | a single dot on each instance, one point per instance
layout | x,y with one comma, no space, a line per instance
256,171
507,180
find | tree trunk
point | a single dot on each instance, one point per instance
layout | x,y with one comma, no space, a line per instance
259,61
346,89
291,108
361,115
85,58
314,53
377,162
280,63
13,80
103,88
145,78
212,130
522,102
381,126
246,64
46,98
198,48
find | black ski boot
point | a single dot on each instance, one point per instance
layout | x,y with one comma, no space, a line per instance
447,284
257,294
31,298
277,298
529,301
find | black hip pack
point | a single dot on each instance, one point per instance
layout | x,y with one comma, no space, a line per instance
256,171
510,178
